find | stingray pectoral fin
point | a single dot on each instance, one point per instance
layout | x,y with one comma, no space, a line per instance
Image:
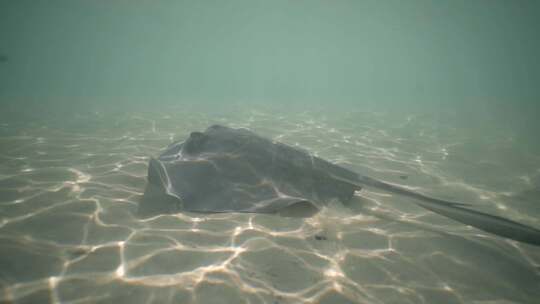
286,206
299,209
490,223
157,175
157,199
155,202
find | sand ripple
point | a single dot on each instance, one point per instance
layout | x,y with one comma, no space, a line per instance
68,233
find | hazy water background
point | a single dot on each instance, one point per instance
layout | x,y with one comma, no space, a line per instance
445,93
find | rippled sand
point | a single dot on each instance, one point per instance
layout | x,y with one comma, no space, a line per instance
69,188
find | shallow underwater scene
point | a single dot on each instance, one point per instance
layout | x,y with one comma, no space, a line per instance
438,97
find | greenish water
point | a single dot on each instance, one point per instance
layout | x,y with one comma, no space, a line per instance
438,96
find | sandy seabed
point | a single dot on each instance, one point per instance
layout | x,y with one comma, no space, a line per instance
69,191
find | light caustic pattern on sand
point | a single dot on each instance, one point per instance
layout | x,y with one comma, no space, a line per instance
69,235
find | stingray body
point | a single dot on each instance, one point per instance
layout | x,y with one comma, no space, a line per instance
235,170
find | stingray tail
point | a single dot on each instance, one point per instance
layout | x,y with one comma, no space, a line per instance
490,223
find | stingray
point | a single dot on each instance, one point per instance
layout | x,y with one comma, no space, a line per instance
235,170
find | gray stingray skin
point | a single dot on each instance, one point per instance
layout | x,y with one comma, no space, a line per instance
235,170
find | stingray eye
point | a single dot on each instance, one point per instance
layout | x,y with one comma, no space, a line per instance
195,142
196,135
